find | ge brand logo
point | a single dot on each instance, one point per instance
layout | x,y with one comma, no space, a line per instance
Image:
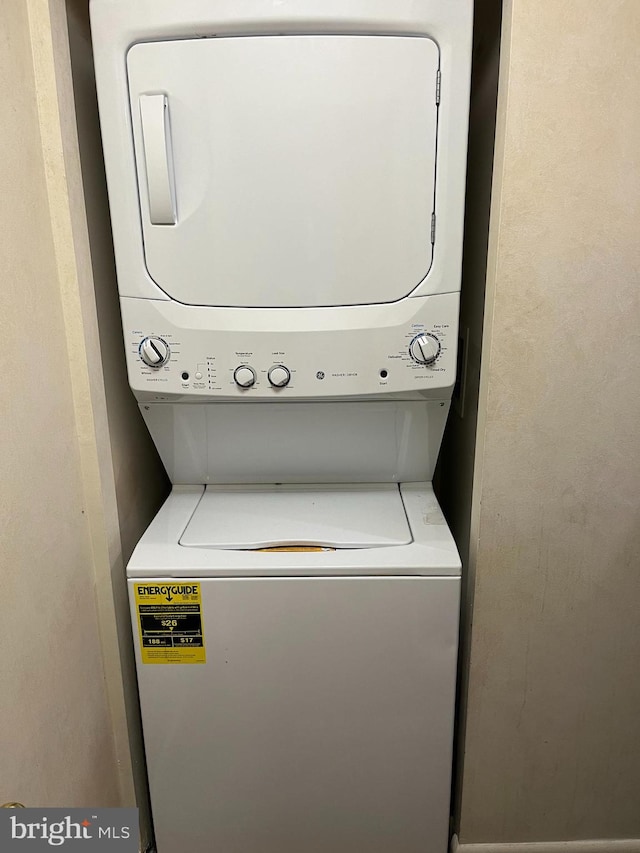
320,375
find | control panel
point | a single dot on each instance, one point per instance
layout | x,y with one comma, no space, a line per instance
167,359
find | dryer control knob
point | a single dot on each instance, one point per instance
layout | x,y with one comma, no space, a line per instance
424,348
279,376
154,352
244,376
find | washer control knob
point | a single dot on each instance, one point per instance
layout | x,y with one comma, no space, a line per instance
244,376
424,348
279,376
154,352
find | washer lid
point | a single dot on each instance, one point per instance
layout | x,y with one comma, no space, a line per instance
286,170
335,516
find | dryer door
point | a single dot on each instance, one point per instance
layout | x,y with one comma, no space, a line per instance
286,171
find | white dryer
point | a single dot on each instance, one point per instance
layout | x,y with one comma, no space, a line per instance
286,183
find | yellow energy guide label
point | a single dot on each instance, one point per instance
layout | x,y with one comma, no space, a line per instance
170,622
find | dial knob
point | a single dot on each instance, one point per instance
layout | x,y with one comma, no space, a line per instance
154,351
424,348
244,376
279,376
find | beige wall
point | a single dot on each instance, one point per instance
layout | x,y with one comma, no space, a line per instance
553,723
80,477
57,743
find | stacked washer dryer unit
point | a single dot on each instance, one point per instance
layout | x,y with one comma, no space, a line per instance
286,183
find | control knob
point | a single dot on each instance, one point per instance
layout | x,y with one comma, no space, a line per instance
154,352
424,348
279,376
244,376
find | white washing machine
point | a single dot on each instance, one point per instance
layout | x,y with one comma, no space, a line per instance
286,183
322,719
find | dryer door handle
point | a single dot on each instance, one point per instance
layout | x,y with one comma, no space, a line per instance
156,142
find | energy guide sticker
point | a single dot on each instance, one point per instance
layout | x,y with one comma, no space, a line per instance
170,622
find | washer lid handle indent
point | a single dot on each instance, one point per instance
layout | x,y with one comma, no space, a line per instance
156,140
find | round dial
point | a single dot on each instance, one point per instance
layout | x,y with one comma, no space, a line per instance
244,376
279,376
424,348
154,351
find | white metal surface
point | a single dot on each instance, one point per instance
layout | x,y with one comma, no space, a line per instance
330,352
335,516
119,24
431,552
323,442
318,152
340,92
321,721
323,717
